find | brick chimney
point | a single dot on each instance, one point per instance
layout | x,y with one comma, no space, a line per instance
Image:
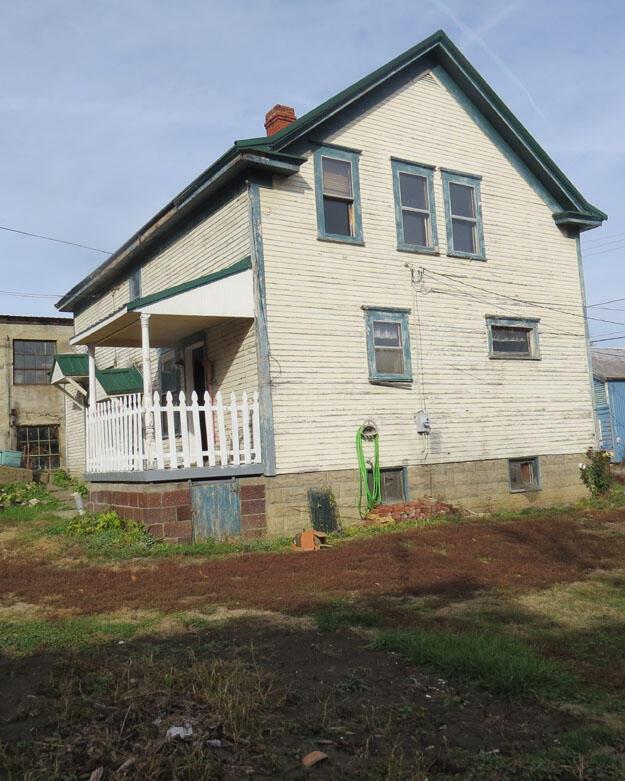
278,117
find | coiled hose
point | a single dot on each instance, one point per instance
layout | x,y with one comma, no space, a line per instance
372,494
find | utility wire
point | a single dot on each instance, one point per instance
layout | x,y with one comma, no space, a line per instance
58,241
521,300
29,295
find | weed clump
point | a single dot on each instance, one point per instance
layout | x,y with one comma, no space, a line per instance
62,480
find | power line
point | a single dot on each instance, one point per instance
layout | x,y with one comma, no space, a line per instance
29,295
605,251
612,301
610,339
602,239
58,241
521,300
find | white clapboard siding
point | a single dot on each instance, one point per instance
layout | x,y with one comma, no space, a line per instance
479,408
202,432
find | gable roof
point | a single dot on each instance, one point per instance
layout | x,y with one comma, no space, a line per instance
608,363
271,153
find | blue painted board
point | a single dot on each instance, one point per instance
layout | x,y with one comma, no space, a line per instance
216,510
616,394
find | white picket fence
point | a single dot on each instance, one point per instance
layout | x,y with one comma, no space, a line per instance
210,433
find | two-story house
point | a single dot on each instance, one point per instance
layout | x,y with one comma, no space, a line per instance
404,255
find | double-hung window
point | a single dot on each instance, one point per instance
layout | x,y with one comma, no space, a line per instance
414,207
337,185
388,345
463,214
513,338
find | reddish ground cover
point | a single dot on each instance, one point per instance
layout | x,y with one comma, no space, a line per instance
447,559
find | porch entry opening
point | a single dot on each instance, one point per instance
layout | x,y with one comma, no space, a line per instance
216,509
196,380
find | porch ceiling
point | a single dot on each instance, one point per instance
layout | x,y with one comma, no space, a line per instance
178,312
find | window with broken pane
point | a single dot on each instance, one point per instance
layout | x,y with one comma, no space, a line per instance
523,474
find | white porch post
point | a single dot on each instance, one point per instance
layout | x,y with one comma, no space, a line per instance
92,383
147,389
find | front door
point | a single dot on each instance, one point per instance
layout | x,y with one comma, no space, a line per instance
216,509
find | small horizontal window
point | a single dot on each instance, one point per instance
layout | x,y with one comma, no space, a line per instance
388,345
337,195
523,474
512,338
463,213
414,207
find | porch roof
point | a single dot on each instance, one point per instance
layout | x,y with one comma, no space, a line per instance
113,382
178,311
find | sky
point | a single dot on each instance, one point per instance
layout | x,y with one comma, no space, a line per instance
109,108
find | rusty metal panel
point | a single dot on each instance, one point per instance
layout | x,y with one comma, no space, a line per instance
216,509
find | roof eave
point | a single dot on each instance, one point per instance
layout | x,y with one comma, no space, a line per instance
230,166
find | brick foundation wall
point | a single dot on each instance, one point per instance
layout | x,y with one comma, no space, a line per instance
253,510
165,509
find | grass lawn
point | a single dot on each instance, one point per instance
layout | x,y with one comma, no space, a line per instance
485,649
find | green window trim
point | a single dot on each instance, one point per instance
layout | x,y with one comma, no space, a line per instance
400,167
351,157
451,177
529,324
534,468
395,316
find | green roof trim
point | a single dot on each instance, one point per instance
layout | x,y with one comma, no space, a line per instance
271,154
113,381
441,49
241,265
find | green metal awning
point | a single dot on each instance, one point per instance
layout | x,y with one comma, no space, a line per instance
71,368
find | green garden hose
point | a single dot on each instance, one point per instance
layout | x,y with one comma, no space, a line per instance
372,494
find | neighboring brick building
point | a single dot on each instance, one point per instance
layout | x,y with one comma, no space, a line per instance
32,413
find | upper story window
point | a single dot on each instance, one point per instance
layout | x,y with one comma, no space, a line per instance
337,185
388,345
463,213
414,207
134,284
513,338
32,361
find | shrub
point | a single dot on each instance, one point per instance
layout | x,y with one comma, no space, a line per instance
596,474
22,493
62,480
107,535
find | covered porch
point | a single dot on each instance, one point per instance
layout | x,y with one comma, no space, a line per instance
188,429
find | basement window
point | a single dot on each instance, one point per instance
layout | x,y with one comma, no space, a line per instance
337,188
414,207
463,212
388,345
510,338
523,474
39,446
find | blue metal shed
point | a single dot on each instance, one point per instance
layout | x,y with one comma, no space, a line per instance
608,369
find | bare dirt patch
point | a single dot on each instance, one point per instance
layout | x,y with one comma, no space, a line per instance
374,715
444,560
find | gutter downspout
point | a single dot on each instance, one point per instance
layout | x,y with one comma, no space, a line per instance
582,286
